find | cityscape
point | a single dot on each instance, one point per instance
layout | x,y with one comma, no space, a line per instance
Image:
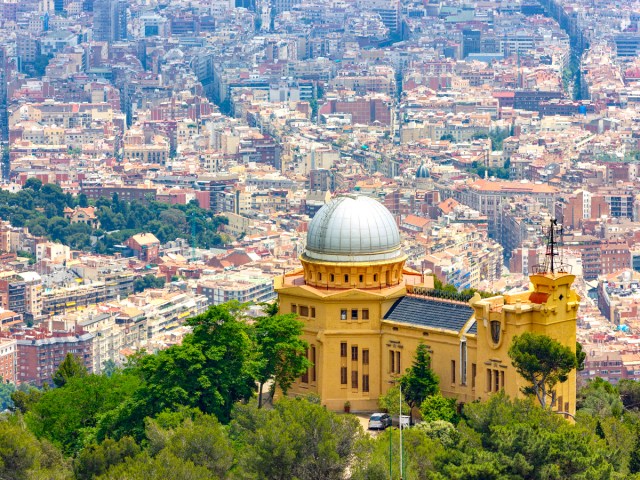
337,197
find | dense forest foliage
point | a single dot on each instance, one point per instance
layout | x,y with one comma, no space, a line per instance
41,209
190,412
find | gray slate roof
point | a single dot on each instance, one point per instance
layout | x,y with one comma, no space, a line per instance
429,312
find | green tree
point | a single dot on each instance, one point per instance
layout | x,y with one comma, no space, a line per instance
296,439
630,394
634,459
271,309
543,362
6,390
148,281
436,407
205,442
67,416
109,367
390,401
83,201
599,399
210,370
94,460
419,381
22,456
281,352
71,367
25,397
441,430
581,356
33,183
165,465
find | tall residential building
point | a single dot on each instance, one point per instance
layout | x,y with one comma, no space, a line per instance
40,353
8,360
389,11
284,5
110,20
4,78
248,4
365,314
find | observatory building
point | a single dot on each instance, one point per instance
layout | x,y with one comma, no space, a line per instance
365,313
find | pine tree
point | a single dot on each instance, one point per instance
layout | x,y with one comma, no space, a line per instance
599,430
70,367
419,381
634,459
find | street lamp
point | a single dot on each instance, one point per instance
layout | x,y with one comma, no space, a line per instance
393,382
400,424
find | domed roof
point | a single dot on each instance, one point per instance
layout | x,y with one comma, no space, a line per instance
353,229
423,171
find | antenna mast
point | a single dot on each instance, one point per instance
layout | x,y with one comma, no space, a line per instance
550,264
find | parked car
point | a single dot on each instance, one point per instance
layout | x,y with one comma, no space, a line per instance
379,421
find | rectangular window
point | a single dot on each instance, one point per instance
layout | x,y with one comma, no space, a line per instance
365,383
313,361
343,375
346,279
319,276
294,308
463,363
489,383
354,379
502,380
397,362
305,375
343,349
304,311
361,278
365,314
354,314
453,371
496,380
473,375
392,361
354,353
365,357
343,314
313,312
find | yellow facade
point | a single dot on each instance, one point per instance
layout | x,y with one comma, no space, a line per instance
364,320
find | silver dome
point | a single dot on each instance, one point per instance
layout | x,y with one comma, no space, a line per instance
353,229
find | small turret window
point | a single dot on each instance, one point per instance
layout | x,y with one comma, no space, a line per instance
495,331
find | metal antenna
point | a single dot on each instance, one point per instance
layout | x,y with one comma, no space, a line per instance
549,261
550,264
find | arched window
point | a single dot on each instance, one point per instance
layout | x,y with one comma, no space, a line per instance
495,331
